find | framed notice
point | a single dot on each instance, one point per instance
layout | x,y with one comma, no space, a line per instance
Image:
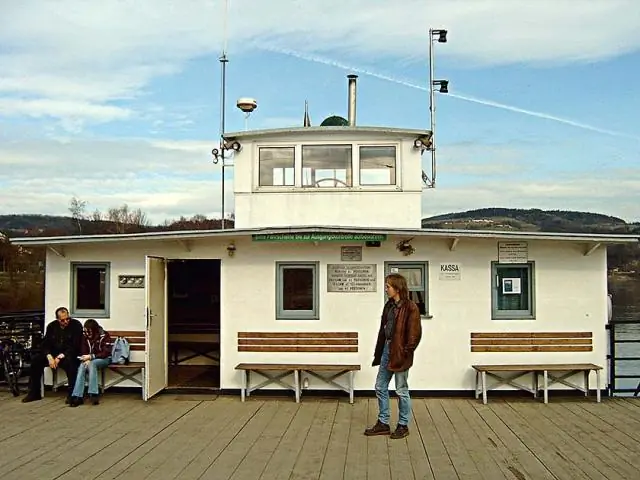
351,278
511,286
351,254
513,252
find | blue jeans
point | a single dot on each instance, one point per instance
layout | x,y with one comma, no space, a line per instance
402,390
93,367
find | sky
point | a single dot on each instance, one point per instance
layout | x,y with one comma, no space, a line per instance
119,102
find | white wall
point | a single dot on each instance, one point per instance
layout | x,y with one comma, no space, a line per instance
570,296
343,209
381,206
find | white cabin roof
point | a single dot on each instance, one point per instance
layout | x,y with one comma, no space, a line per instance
354,132
424,232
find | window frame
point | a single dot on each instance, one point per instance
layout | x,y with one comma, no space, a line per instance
349,173
424,265
355,167
73,292
282,314
529,314
360,146
295,165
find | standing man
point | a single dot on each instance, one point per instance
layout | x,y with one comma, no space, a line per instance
399,335
59,349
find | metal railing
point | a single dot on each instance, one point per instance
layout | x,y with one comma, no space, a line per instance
624,358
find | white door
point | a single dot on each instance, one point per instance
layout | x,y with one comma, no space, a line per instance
155,377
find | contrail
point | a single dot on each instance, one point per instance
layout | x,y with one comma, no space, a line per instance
466,98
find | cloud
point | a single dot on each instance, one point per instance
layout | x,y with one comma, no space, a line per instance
165,178
617,195
99,52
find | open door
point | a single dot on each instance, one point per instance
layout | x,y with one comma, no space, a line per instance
155,377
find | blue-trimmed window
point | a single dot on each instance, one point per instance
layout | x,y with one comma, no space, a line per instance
90,289
297,292
513,292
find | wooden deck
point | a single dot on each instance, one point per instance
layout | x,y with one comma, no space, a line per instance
191,437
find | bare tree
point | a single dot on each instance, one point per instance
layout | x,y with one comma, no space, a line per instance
77,209
125,219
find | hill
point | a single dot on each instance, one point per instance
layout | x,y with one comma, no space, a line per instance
531,220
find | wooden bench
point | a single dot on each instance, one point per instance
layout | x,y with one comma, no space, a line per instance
515,371
130,371
296,342
497,342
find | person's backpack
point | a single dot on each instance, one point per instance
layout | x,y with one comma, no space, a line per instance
120,351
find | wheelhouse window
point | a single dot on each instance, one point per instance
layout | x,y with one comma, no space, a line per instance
297,291
512,291
326,166
90,289
416,274
277,166
377,165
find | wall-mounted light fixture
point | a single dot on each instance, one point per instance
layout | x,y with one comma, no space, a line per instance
231,249
405,247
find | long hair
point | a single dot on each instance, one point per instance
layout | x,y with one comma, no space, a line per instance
399,283
92,328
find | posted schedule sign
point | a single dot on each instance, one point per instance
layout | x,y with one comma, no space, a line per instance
351,277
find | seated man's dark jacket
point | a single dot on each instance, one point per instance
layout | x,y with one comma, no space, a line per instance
67,341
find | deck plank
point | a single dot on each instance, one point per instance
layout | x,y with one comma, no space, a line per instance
355,466
260,453
312,455
565,445
191,437
335,457
284,458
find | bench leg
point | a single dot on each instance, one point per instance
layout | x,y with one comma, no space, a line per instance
598,386
545,385
484,387
296,381
536,386
586,382
243,388
477,384
351,374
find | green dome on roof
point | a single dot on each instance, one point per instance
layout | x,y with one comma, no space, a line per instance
334,121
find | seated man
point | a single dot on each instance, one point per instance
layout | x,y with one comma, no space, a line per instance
96,354
59,349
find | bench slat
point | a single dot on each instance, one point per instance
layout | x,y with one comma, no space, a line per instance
538,367
533,348
294,366
291,341
297,334
246,348
530,341
531,334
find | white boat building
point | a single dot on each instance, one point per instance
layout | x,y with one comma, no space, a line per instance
321,215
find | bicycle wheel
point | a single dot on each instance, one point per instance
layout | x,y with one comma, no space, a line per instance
10,376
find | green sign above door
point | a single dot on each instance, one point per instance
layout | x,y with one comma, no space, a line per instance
319,237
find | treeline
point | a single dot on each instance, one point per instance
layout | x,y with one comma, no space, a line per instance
22,269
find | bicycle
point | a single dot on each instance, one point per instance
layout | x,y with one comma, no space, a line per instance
12,360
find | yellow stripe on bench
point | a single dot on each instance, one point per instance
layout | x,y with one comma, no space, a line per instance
532,342
333,342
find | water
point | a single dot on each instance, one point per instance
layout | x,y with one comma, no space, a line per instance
626,308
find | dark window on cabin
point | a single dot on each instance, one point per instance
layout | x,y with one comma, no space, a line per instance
377,165
297,291
277,166
327,166
513,291
90,289
416,274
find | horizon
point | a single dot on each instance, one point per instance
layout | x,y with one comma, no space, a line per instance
120,103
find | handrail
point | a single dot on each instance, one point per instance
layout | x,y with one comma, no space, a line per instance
614,358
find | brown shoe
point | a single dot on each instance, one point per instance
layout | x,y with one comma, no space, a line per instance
378,429
401,432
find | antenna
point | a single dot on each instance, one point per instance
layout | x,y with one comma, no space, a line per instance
441,37
223,91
